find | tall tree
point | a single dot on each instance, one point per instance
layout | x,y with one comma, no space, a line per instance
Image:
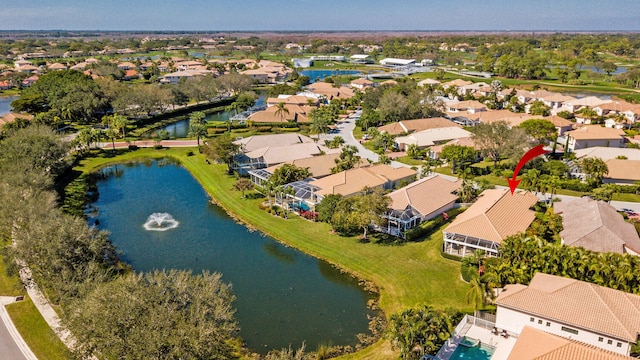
458,155
243,184
221,149
595,168
497,140
159,315
348,159
288,173
540,129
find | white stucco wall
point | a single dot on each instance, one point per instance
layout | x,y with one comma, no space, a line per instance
514,321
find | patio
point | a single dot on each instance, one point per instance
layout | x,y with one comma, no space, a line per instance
482,330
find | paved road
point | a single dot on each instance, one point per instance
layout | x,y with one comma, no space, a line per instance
12,346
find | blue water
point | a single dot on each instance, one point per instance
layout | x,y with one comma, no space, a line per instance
481,352
319,75
5,104
180,129
283,296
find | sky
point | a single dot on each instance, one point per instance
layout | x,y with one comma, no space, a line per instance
330,15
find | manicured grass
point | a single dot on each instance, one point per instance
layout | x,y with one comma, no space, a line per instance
406,275
626,197
36,332
9,285
409,161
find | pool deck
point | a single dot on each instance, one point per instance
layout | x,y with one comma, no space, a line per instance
482,332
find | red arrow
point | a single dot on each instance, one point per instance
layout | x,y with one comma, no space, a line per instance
529,155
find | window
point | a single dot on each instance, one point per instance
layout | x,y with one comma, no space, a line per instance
609,341
600,339
572,331
619,344
540,322
548,324
531,319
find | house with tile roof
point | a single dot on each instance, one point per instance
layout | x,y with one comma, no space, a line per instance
256,142
622,172
602,317
329,92
594,135
596,226
299,100
533,344
350,182
272,155
426,138
362,84
419,201
415,125
495,215
296,113
12,116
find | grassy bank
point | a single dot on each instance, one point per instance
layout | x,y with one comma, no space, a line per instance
405,275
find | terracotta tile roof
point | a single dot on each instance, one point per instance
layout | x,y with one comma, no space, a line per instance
596,226
495,215
362,81
10,117
319,166
468,141
577,303
431,137
607,153
259,141
293,99
428,82
57,66
589,101
595,132
280,154
466,105
457,82
296,113
426,195
326,89
534,344
556,97
623,170
557,121
514,119
408,126
351,181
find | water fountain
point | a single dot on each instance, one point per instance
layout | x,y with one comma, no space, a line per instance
160,222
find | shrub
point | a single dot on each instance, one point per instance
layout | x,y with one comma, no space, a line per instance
263,128
295,129
133,147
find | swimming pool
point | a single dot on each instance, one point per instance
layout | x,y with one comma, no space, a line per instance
478,352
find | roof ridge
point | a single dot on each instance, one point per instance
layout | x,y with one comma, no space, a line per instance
594,288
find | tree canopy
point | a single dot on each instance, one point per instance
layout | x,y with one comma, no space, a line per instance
497,140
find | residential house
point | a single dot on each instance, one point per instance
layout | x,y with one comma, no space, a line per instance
30,80
495,215
434,151
352,181
585,102
419,201
607,153
57,66
11,117
6,85
457,83
294,113
425,138
622,172
471,106
533,344
329,92
601,317
630,111
252,143
594,135
362,84
20,63
428,82
130,75
175,77
127,66
562,125
273,155
299,100
596,226
410,126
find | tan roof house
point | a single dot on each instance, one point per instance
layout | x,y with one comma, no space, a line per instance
419,201
409,126
362,84
601,317
329,91
352,181
430,137
11,117
622,171
272,155
57,66
296,113
256,142
299,100
596,226
533,344
594,135
472,106
495,215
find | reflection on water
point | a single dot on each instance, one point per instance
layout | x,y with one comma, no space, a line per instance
284,297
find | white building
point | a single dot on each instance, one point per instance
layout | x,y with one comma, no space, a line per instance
397,62
595,315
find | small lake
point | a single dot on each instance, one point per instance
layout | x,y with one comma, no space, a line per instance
5,104
283,296
319,75
180,129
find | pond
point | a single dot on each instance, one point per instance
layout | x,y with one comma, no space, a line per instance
284,297
5,104
180,129
319,75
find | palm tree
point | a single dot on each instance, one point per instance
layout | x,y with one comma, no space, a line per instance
198,131
319,126
268,187
531,179
110,133
281,110
198,117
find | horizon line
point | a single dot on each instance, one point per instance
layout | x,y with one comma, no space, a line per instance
319,30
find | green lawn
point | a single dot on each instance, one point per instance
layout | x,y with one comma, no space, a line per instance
406,275
36,332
